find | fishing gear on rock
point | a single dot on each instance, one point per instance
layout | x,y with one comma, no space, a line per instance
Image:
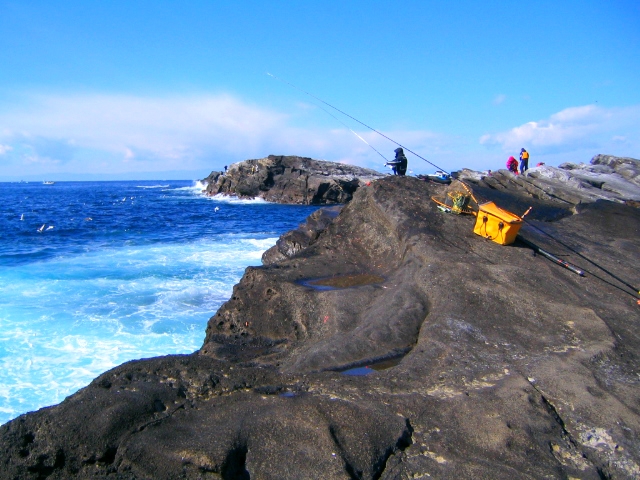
506,223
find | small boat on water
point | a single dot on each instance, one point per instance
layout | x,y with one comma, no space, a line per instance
48,182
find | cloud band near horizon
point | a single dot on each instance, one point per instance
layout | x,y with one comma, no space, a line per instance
125,133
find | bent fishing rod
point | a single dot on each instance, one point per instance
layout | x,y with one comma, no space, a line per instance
332,115
347,126
361,123
553,258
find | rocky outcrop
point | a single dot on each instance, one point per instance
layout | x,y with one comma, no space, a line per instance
294,241
605,178
291,179
484,361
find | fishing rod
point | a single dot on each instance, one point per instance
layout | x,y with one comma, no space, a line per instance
336,118
347,126
536,248
626,284
551,257
361,123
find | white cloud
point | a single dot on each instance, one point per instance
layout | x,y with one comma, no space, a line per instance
130,133
163,127
575,128
5,148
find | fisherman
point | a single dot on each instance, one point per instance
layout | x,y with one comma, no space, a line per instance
512,165
399,164
524,160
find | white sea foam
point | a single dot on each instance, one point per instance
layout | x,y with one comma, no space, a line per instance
197,187
263,243
231,199
74,306
66,320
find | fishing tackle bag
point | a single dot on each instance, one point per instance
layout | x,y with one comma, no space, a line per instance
496,224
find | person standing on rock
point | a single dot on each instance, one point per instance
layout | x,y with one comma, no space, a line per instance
399,164
524,160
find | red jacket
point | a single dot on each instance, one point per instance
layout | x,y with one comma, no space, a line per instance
512,164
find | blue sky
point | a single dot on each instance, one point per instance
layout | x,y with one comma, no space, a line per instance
136,90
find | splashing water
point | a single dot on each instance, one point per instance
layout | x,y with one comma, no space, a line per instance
131,270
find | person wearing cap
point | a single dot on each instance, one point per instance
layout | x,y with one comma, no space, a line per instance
524,160
399,164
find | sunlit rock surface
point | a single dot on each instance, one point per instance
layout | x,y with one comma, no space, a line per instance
605,178
487,362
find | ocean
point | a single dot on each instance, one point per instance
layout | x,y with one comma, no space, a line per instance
93,274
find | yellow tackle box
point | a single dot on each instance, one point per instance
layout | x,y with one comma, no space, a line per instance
497,224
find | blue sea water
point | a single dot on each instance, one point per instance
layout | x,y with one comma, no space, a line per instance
93,274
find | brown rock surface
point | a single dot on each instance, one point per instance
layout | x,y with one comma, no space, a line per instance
505,365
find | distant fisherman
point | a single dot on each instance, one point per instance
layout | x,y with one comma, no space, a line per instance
399,164
524,160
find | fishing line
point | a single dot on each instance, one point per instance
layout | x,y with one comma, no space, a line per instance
361,123
347,126
634,288
628,285
336,118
